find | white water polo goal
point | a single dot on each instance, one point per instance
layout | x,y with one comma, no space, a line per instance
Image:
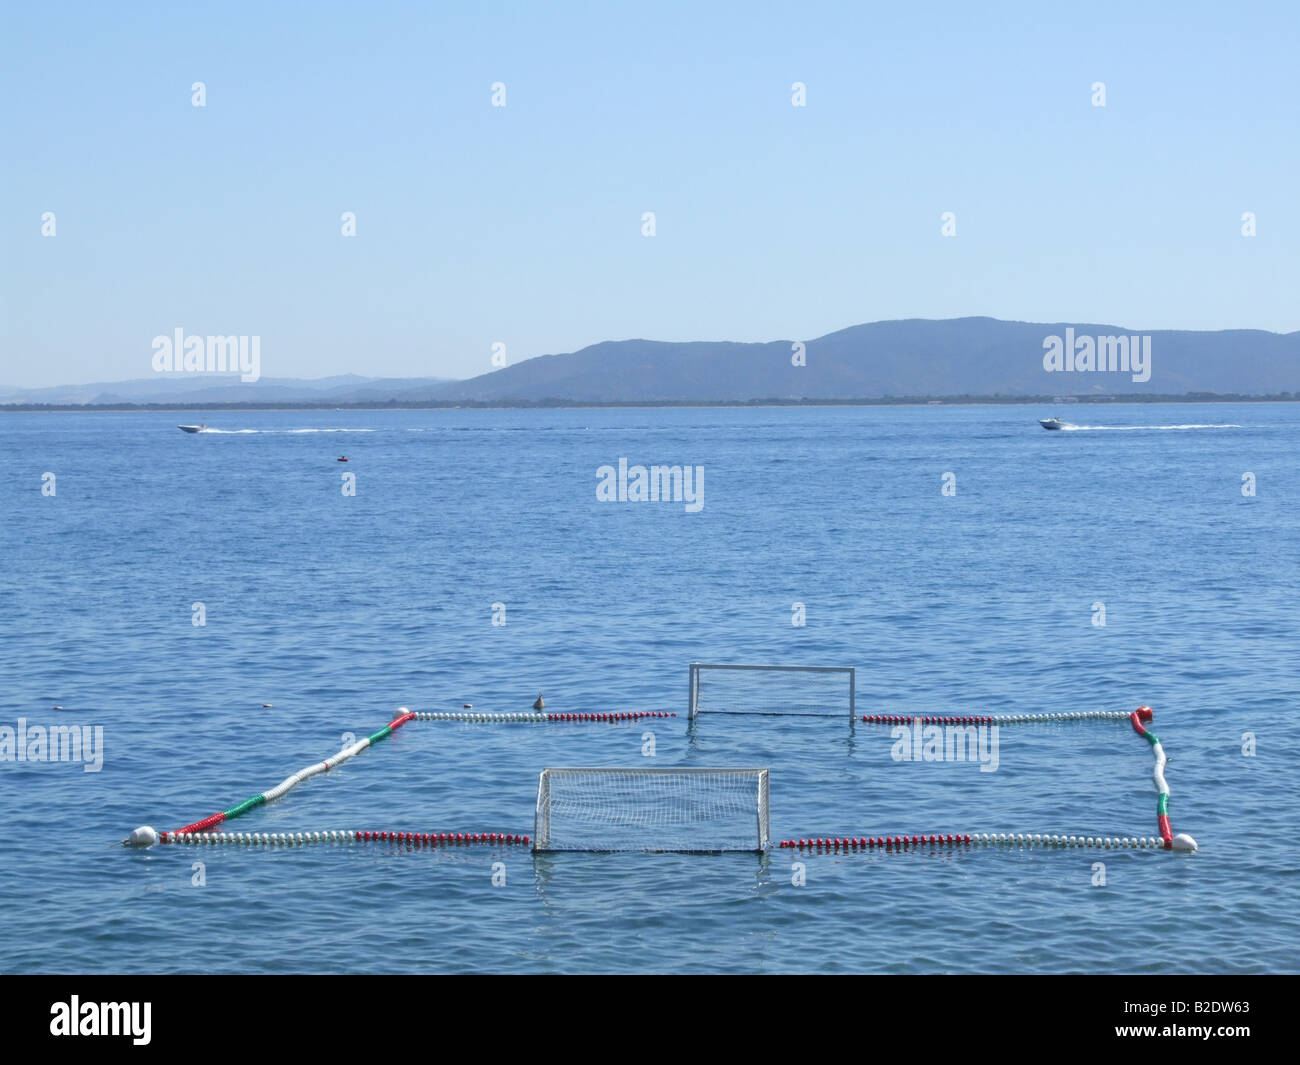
772,690
692,810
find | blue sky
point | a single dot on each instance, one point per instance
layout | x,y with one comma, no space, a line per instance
522,224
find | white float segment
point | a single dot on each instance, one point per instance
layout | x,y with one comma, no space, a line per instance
316,767
1158,774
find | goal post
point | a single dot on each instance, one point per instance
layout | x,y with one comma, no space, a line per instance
771,689
679,809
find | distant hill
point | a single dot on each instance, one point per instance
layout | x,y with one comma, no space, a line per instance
913,357
951,358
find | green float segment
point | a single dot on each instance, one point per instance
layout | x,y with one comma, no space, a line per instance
243,807
297,778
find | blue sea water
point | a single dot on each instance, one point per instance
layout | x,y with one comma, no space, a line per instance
337,610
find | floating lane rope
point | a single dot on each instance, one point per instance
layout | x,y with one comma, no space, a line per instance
146,836
542,719
1182,841
285,785
969,839
995,719
1167,841
349,836
200,831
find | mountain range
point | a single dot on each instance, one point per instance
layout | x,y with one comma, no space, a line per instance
958,357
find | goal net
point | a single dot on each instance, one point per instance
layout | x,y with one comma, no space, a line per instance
651,810
804,691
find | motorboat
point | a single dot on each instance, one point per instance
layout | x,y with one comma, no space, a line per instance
1054,423
193,428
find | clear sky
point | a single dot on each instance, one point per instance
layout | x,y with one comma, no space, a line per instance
523,224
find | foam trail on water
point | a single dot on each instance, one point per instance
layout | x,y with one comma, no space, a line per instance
1130,428
280,432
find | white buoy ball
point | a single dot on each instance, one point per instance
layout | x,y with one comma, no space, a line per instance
1182,842
144,836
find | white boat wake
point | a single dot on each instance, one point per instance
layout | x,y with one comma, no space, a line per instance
279,432
1132,428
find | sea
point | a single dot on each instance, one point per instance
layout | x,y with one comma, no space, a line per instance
219,610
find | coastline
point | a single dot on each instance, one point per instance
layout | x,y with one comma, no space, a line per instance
906,401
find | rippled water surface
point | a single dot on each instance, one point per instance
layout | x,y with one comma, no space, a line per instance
336,610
